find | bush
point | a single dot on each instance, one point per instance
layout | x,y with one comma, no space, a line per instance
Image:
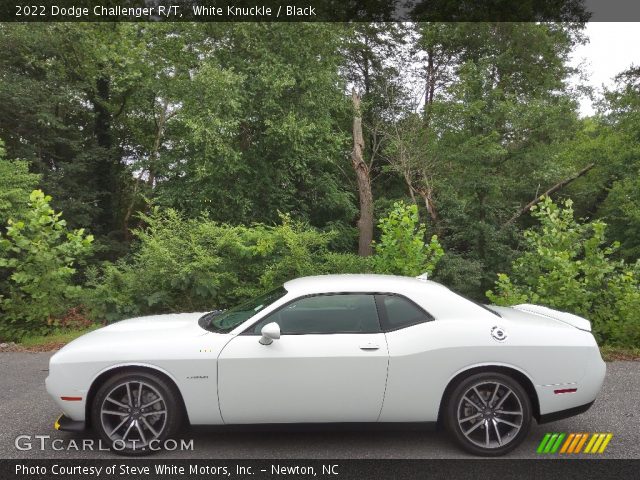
402,250
568,266
38,255
183,264
15,185
198,264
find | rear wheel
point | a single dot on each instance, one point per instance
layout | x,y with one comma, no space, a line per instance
488,414
134,412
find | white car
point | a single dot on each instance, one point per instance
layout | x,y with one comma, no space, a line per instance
333,348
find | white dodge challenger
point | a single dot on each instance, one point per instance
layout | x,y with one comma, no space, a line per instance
333,348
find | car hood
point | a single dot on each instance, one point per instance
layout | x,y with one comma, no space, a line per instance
176,322
542,315
142,336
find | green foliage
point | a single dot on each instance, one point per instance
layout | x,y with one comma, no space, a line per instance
615,192
239,122
186,264
198,264
263,109
15,184
621,209
460,274
401,249
495,117
568,266
37,264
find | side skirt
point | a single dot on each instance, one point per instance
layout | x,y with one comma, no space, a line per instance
320,427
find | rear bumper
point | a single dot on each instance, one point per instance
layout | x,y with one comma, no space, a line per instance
559,400
64,423
569,412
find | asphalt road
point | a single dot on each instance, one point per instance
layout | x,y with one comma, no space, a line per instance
26,409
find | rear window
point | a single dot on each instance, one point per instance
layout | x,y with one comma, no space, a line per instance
400,312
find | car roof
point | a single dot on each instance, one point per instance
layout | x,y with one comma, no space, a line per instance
360,283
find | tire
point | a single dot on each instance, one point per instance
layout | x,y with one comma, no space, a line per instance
476,413
140,428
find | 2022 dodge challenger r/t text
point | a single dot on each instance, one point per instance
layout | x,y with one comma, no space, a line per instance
333,348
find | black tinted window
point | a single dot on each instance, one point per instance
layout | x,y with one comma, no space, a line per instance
344,313
401,313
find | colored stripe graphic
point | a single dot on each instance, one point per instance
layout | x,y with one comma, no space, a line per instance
551,442
592,442
573,443
581,443
606,441
543,443
555,447
567,442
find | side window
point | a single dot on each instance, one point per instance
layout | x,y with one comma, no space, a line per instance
340,313
400,312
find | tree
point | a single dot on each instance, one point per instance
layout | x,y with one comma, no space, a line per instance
495,117
15,185
370,52
616,192
268,136
567,265
402,249
363,177
65,90
37,264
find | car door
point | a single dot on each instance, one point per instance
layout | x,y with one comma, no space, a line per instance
417,360
329,365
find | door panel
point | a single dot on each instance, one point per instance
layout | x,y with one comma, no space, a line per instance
303,378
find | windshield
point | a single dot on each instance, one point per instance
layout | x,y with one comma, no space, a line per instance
220,321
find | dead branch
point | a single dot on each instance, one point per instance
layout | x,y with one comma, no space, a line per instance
551,191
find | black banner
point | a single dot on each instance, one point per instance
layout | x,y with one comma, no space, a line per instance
321,469
317,10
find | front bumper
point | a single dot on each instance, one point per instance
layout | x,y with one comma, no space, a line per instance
67,396
64,423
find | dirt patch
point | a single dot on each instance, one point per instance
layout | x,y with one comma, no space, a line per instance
45,347
620,356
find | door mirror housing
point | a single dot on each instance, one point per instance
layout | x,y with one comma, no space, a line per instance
270,332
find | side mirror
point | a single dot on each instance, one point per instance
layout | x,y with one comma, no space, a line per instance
270,332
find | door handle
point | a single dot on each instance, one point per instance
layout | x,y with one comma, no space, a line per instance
369,346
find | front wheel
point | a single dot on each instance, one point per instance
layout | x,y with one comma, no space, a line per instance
488,414
134,412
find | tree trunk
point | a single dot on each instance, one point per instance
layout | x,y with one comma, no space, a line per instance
426,192
407,181
102,113
427,196
160,121
106,168
365,222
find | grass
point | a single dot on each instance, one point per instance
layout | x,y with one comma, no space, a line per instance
610,353
55,339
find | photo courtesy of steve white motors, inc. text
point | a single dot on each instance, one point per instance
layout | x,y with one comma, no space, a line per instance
171,469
